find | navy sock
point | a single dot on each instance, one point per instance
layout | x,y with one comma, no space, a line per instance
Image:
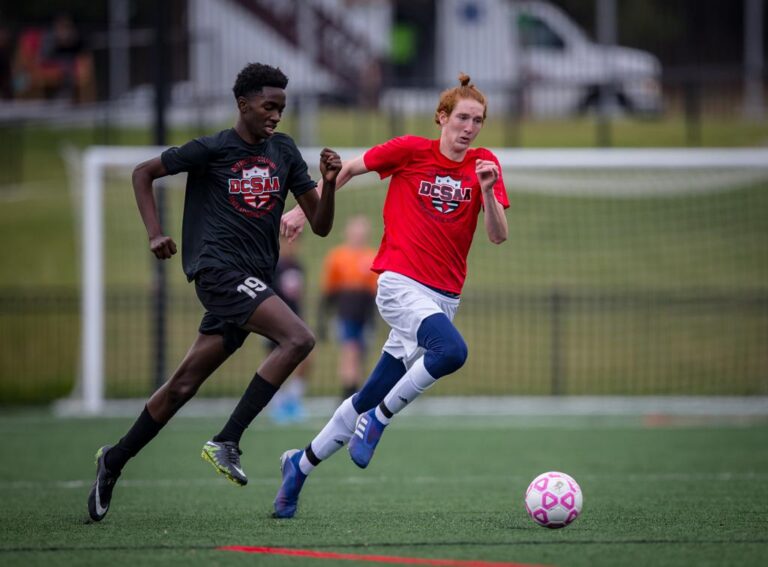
256,396
142,432
384,376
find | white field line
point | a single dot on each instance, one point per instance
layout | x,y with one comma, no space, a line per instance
273,481
534,407
470,423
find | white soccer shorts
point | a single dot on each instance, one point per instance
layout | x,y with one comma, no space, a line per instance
404,303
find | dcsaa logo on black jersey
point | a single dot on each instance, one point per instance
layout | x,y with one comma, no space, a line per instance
252,193
256,186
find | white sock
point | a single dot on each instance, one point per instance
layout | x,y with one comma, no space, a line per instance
411,386
381,417
335,434
304,464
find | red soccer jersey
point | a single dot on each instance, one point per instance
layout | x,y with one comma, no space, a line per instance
431,210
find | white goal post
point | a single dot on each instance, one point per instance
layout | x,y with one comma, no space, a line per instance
95,161
89,396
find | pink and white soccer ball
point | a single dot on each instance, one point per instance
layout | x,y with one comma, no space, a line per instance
553,500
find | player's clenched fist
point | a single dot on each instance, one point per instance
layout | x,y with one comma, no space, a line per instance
330,165
163,247
487,173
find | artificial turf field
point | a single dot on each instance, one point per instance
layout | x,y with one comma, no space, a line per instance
439,488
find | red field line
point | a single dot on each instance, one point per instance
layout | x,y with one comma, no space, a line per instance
372,558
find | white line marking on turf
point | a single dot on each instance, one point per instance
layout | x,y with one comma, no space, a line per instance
368,479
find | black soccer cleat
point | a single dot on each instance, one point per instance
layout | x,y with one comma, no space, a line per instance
225,458
101,492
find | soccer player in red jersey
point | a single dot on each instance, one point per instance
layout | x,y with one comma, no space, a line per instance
435,195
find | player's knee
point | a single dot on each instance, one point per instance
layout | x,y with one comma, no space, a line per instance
453,356
461,353
446,350
301,343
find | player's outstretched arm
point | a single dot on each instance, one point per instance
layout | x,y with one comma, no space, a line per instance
292,223
319,210
495,220
144,174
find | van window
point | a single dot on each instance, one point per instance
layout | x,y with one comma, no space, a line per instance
536,33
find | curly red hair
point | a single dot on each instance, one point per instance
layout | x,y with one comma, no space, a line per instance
450,97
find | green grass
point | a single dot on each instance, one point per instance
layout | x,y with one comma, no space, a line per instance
684,246
39,220
701,241
438,488
353,129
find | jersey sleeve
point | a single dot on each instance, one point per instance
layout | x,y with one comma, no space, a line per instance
385,159
191,156
299,181
499,189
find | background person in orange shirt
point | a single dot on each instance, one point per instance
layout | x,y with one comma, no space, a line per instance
349,287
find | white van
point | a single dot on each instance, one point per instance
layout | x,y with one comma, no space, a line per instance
533,49
562,70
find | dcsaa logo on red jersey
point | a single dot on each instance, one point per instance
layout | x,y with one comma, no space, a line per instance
445,192
256,186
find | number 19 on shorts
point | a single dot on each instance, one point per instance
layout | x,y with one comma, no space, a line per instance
251,286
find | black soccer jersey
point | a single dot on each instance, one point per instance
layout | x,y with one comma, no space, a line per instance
234,199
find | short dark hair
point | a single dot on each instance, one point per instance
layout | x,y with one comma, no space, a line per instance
255,76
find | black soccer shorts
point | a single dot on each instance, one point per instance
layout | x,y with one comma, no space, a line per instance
230,298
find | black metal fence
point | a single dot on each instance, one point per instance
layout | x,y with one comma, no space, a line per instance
596,336
554,342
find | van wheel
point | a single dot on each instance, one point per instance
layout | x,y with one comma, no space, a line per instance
624,102
591,99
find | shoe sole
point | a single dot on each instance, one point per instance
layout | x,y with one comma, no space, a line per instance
360,464
207,458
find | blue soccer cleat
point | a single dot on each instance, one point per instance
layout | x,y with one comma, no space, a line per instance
287,498
363,443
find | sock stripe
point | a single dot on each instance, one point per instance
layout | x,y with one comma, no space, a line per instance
311,457
385,410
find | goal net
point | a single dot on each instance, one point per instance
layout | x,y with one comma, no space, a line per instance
626,272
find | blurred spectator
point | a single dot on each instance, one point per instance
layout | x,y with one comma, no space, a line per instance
349,286
54,63
6,58
370,85
287,405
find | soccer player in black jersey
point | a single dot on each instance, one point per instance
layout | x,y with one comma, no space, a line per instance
237,184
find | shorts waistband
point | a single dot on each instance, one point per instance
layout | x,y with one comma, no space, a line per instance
442,291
